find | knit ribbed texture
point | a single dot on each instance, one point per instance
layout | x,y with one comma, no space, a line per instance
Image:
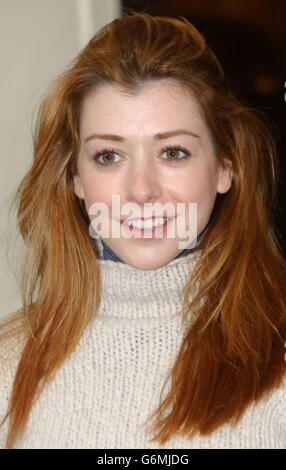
104,391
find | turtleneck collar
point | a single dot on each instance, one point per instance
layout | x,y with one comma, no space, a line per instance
138,296
142,296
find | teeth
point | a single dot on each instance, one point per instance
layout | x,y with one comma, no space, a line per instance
150,223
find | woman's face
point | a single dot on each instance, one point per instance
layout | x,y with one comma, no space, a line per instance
143,161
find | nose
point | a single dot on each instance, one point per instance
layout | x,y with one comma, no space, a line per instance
142,183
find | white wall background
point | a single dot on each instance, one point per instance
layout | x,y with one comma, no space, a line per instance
38,39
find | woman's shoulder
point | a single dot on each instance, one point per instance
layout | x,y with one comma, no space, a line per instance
280,391
11,347
273,414
12,342
273,407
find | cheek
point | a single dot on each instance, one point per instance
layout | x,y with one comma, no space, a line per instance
198,186
94,189
99,190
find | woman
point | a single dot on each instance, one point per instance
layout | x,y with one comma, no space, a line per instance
134,341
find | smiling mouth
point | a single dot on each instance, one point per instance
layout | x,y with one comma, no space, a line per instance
153,217
149,222
146,232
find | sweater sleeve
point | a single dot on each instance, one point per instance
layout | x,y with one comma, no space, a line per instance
10,354
280,414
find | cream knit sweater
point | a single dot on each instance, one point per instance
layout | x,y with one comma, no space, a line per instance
103,392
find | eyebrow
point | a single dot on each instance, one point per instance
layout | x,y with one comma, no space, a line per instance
159,136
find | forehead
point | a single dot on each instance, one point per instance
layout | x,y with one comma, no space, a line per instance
161,104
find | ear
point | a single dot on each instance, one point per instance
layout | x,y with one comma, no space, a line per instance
225,176
78,189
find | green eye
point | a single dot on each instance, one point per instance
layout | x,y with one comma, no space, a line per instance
106,157
175,153
172,153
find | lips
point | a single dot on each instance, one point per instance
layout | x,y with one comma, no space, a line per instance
146,233
145,218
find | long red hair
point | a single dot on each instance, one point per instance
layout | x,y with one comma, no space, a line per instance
233,354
